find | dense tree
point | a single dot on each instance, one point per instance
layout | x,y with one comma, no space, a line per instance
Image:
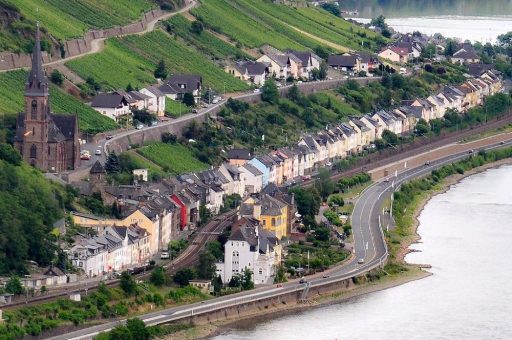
120,333
380,22
112,166
56,77
422,127
247,282
127,283
269,92
158,276
307,200
390,137
9,154
14,286
197,27
215,248
324,183
138,329
450,47
217,284
332,8
206,268
169,138
143,116
294,93
161,71
129,87
183,276
188,99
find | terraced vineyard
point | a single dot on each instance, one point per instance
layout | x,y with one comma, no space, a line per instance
12,101
175,158
254,23
205,42
180,58
66,19
105,67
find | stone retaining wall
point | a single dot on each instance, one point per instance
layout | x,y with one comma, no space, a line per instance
74,47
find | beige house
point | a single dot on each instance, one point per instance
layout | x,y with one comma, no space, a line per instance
395,54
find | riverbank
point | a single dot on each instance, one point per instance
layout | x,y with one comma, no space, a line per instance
413,273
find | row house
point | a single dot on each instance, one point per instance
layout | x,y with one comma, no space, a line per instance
253,178
235,178
117,248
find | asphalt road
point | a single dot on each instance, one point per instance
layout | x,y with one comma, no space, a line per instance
369,246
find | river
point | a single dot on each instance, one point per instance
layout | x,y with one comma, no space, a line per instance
467,238
475,20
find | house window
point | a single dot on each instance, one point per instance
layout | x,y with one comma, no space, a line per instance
33,111
260,271
33,151
273,222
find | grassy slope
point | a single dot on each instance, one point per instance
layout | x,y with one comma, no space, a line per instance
175,108
254,23
11,101
205,42
176,158
140,54
106,68
66,19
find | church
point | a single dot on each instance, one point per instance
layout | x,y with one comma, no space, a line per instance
45,140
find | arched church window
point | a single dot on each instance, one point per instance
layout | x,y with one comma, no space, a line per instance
33,112
33,151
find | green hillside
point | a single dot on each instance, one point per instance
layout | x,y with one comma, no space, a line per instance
204,42
141,53
255,23
12,87
29,205
66,19
174,158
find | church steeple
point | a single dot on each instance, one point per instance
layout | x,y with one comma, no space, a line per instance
37,82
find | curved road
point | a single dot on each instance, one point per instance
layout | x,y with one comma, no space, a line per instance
369,246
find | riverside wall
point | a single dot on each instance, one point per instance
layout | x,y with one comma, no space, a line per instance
264,305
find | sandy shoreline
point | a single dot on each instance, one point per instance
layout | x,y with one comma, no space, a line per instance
414,273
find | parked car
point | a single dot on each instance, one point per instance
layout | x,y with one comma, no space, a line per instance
109,137
360,261
194,111
427,163
155,122
302,280
471,151
97,152
306,178
140,126
85,156
325,276
164,255
256,91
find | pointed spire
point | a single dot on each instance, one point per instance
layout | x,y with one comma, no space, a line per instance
37,83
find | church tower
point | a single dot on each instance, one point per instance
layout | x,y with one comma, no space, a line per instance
35,148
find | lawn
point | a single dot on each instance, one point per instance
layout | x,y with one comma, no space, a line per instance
205,42
173,158
132,160
105,67
175,108
66,19
12,88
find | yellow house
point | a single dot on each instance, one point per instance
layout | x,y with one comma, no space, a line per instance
152,226
271,212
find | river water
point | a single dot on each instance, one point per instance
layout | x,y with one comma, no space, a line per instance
475,20
467,238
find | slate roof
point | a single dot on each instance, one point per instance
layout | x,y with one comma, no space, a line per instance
108,100
239,154
252,169
181,83
476,70
245,230
251,67
154,90
97,168
341,60
270,206
37,82
465,53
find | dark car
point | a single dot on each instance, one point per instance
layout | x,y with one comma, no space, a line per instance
302,280
195,111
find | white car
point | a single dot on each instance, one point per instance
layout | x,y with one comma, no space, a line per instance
256,91
360,261
140,126
97,152
165,255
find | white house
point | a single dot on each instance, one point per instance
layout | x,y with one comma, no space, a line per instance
250,71
250,247
253,178
111,105
156,101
